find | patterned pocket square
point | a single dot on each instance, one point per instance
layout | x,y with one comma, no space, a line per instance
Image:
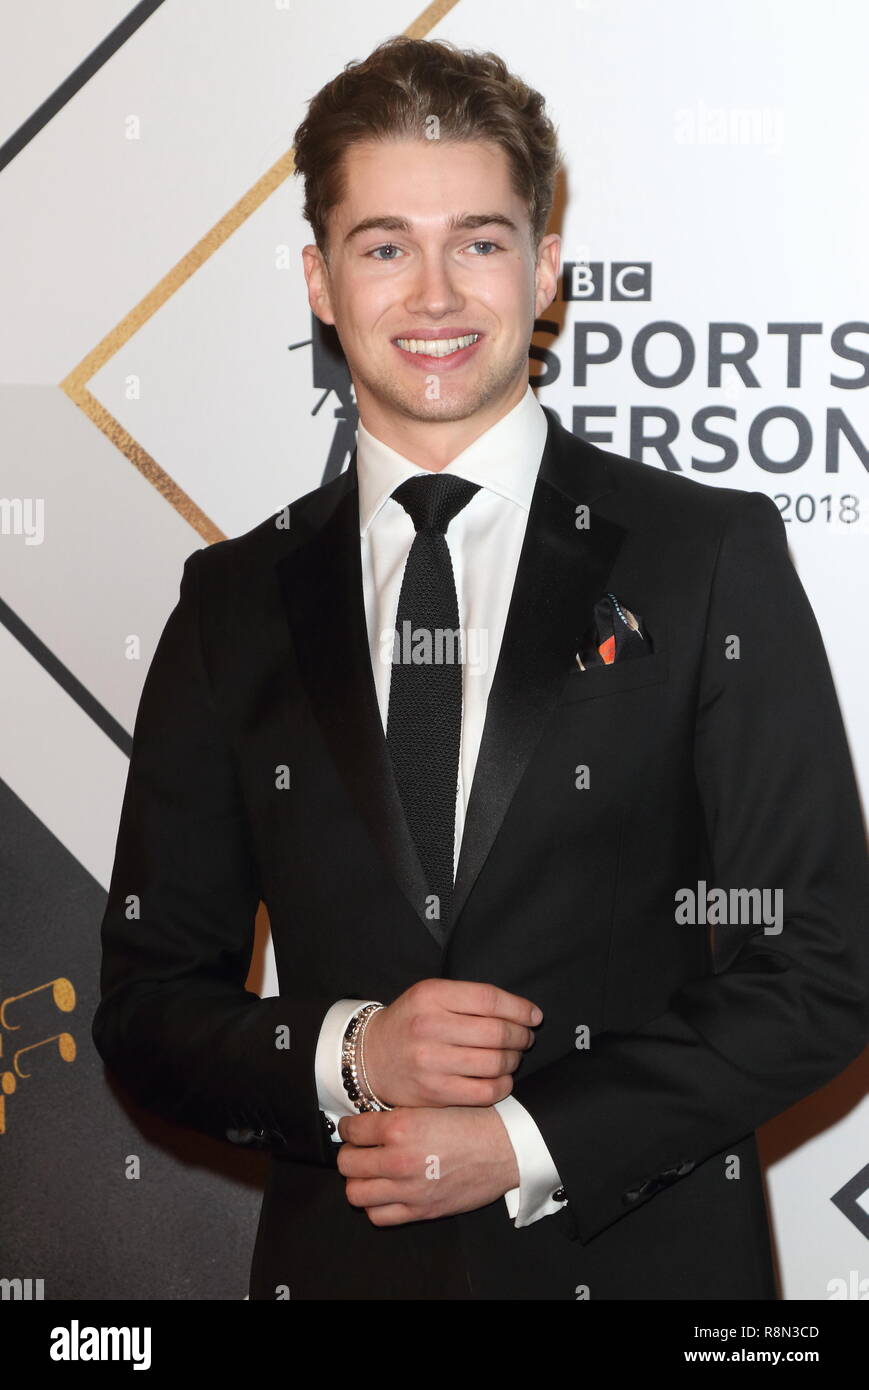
616,634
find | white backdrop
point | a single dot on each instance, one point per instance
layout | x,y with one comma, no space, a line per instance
153,399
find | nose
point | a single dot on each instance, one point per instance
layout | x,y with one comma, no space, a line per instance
434,291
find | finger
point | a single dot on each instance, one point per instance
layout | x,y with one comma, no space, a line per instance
472,1030
477,1091
394,1215
371,1192
481,1061
358,1162
469,997
466,1030
363,1129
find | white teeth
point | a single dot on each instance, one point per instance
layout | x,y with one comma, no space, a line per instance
439,347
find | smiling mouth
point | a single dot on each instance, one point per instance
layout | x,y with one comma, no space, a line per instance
436,347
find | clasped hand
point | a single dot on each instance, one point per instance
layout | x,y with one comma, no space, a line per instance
443,1054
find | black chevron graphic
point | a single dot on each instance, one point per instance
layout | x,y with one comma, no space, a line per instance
76,80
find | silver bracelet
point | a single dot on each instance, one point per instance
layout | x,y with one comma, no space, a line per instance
349,1074
378,1103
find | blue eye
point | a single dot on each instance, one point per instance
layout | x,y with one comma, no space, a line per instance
374,254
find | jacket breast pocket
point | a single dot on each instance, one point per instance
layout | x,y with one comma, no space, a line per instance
599,681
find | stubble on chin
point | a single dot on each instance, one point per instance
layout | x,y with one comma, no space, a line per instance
453,403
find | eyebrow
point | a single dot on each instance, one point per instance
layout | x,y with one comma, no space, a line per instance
469,221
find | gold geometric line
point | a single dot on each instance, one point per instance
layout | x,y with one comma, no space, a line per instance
181,272
75,383
148,467
431,15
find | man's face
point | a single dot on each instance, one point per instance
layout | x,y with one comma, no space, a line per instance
431,242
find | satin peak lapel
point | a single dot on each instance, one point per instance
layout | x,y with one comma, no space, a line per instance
562,571
321,585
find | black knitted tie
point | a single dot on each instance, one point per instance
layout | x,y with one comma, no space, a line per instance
424,723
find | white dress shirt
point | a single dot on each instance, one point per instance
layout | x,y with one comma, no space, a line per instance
484,541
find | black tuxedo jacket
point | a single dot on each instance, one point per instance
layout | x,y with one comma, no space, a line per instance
702,768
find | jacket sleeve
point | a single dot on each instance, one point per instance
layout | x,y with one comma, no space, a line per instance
778,1013
175,1021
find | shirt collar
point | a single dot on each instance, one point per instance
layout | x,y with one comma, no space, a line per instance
505,460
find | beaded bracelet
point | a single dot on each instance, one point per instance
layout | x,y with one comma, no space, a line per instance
369,1089
355,1030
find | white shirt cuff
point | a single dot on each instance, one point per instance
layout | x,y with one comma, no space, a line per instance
333,1099
538,1175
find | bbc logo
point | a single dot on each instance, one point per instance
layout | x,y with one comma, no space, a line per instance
626,280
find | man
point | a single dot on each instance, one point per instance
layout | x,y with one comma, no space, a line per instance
510,1057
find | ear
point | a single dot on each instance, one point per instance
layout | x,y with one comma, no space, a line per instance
317,279
546,272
